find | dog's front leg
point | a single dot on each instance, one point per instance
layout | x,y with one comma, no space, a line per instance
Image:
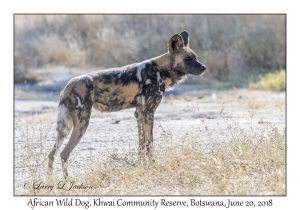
145,119
148,131
141,124
145,129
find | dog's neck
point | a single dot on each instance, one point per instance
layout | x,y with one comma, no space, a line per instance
168,74
163,61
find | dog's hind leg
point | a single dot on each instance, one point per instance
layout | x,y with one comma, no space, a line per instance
81,117
64,126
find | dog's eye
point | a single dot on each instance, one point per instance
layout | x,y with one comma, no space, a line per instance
188,58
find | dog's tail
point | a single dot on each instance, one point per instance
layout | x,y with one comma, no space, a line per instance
64,125
64,118
66,92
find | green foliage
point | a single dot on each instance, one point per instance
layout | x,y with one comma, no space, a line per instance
251,79
269,81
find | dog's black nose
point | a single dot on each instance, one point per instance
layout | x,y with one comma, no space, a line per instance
203,67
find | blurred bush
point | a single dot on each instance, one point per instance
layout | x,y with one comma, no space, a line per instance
270,81
231,46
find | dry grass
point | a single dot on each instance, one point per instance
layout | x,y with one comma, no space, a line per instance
236,161
227,44
261,104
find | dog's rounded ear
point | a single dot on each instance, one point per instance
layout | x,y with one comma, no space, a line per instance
175,44
186,38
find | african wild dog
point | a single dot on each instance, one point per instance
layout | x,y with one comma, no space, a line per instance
139,85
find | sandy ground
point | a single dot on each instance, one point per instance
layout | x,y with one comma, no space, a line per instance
181,116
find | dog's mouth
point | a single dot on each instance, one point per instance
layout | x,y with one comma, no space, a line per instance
197,72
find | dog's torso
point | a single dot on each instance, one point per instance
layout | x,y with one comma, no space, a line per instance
118,88
123,88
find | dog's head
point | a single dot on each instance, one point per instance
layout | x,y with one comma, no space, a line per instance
184,59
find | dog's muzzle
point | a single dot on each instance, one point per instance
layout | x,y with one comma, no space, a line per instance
198,69
203,68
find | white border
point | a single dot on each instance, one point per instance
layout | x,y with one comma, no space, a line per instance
192,6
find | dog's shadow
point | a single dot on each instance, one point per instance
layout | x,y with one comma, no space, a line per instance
127,159
131,159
